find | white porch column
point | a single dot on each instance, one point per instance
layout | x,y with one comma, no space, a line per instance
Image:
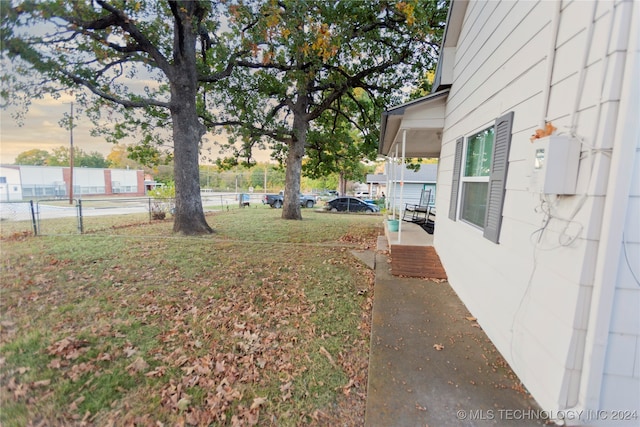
395,182
388,186
404,151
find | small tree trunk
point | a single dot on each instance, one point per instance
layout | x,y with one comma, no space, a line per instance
343,184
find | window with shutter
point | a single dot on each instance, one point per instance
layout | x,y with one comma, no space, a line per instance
498,178
478,184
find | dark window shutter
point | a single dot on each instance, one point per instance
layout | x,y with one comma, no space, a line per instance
498,177
455,181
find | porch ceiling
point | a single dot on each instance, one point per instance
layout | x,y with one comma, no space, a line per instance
423,120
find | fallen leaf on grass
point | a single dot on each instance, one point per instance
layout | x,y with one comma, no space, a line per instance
318,414
346,390
41,383
19,390
157,372
130,351
285,389
325,353
257,402
69,347
55,364
438,347
104,357
184,403
77,371
138,365
7,324
74,405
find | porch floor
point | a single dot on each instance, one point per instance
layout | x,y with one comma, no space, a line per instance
432,365
412,252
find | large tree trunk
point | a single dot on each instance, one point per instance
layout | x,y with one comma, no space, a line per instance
291,208
187,130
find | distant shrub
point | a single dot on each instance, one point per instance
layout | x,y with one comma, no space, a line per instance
165,192
164,201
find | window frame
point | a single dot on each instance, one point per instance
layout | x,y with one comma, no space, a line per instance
474,178
496,190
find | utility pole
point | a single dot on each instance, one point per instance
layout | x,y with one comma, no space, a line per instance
71,156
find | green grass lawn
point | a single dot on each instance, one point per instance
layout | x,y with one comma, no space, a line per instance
264,322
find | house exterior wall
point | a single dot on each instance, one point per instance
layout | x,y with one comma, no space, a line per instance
620,383
621,376
414,183
532,292
410,195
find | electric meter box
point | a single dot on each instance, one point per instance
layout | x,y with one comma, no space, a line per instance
555,165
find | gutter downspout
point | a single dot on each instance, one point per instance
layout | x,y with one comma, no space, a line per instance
555,26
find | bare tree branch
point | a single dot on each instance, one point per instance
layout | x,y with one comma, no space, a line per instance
145,44
143,102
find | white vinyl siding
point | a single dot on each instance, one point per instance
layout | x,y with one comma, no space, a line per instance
621,376
533,292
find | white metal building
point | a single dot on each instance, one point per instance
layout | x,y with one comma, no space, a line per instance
10,184
21,182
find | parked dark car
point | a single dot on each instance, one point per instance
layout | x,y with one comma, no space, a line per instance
350,204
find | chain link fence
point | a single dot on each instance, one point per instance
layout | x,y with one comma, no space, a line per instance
58,216
17,218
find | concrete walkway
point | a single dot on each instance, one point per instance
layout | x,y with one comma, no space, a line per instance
432,365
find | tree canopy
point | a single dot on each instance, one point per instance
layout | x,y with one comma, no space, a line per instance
135,66
336,145
298,76
308,60
60,157
35,157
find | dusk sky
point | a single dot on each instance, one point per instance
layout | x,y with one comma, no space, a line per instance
41,130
